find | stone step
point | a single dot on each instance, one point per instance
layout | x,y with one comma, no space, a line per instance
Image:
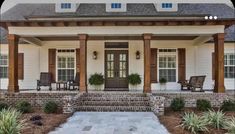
115,108
114,94
113,98
114,103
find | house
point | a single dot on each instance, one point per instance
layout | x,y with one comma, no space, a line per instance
155,40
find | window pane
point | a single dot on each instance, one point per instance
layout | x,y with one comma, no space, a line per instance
3,72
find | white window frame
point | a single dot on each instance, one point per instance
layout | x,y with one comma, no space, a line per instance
110,9
167,54
5,66
65,54
66,5
228,58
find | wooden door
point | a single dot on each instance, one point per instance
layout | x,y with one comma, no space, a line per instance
116,69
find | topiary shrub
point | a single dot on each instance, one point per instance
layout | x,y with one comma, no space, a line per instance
50,107
228,105
134,79
10,122
96,79
3,106
203,105
24,107
177,104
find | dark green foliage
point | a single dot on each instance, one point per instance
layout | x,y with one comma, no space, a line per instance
162,81
24,107
3,106
96,79
134,79
177,104
203,105
50,107
228,105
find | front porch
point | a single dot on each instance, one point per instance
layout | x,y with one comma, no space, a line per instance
152,42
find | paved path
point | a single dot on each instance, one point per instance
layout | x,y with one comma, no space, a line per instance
112,123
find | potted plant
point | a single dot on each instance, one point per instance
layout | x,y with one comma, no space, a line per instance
163,82
134,80
96,80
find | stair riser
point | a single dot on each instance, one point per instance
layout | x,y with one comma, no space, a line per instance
113,103
136,109
113,99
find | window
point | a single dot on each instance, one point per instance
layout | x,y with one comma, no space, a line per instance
229,65
116,5
167,64
166,5
65,65
3,66
65,5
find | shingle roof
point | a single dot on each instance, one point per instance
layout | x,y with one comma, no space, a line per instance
23,11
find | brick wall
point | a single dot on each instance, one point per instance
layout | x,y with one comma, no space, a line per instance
216,99
35,99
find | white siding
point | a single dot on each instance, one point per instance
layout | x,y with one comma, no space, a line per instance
198,61
31,66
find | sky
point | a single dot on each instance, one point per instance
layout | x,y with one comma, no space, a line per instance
10,3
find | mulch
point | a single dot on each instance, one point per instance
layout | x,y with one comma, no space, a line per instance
49,122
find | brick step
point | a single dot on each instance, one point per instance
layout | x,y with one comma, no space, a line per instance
114,98
115,108
119,94
114,103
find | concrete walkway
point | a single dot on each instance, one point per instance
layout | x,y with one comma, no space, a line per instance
112,123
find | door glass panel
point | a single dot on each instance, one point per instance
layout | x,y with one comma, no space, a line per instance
110,65
122,65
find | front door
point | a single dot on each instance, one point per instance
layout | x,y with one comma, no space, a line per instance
116,69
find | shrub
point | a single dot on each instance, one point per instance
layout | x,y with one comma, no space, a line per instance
194,123
10,121
162,81
177,104
215,119
50,107
3,106
24,107
228,105
203,105
230,125
134,79
96,79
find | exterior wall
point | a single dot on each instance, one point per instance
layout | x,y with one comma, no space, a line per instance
198,61
31,66
204,64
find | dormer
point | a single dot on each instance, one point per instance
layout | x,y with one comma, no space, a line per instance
66,7
166,7
115,7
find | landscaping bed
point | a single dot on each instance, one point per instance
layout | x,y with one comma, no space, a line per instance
49,122
172,120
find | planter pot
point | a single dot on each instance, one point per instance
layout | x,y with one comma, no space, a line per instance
97,87
162,86
133,87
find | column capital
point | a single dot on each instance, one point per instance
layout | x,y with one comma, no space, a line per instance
147,36
219,35
13,37
83,36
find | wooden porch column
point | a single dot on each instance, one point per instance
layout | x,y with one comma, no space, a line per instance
13,86
147,63
83,62
219,63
